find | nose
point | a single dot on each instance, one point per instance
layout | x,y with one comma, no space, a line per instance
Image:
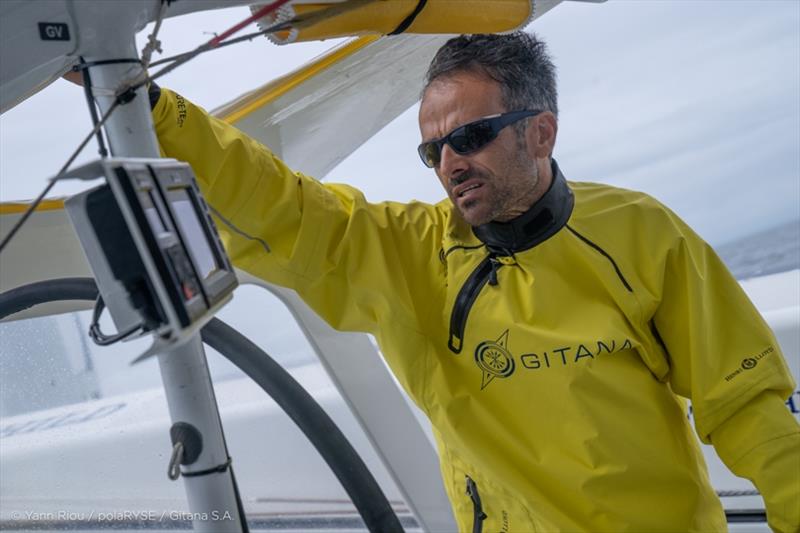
451,164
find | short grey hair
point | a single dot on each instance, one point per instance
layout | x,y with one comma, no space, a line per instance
518,61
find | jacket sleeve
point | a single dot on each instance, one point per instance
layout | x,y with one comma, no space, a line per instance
724,357
355,263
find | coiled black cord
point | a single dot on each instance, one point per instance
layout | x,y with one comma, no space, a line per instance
311,419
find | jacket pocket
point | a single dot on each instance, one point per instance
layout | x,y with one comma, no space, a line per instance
482,506
478,516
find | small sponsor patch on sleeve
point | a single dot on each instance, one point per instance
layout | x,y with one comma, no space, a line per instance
182,111
749,363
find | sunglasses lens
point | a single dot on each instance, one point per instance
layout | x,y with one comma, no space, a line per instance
429,153
472,137
463,140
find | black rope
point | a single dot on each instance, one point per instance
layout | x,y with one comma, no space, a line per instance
313,421
219,469
228,42
180,59
316,425
84,65
90,101
97,335
125,96
32,207
409,19
239,504
56,290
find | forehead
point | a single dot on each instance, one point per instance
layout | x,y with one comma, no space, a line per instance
456,99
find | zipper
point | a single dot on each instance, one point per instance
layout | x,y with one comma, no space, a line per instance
486,271
478,515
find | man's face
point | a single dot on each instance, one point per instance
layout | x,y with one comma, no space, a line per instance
497,182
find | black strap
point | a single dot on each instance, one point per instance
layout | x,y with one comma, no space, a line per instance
84,65
219,469
125,96
87,91
409,19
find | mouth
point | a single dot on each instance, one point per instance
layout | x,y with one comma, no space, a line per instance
466,189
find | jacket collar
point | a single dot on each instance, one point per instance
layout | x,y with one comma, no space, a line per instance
543,220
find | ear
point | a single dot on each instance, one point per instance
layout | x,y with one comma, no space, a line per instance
541,135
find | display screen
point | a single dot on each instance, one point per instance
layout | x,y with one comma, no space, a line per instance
153,216
192,229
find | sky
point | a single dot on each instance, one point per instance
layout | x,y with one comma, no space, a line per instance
696,103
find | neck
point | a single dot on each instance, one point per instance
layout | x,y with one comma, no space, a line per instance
547,168
550,211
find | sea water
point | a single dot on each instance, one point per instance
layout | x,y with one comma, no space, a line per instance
768,252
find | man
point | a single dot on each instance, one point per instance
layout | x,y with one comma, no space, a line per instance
547,328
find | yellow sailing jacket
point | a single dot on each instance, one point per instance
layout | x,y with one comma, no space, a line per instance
552,373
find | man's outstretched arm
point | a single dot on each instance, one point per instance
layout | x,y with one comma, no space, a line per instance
355,263
725,358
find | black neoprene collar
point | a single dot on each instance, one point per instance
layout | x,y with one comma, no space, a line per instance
543,220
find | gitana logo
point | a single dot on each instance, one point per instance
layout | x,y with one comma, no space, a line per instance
494,359
749,363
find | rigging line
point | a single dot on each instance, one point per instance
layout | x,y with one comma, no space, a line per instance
214,43
38,200
297,22
236,40
153,44
210,45
266,10
90,101
128,93
89,64
281,26
236,229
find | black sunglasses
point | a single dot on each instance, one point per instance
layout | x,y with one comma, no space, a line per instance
470,137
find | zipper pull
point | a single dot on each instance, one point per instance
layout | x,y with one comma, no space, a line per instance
480,516
493,274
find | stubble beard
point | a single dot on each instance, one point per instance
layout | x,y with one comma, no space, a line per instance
509,202
505,203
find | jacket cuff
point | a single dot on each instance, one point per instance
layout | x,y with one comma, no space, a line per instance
154,93
761,442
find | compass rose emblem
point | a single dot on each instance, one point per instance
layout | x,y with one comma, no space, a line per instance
494,359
